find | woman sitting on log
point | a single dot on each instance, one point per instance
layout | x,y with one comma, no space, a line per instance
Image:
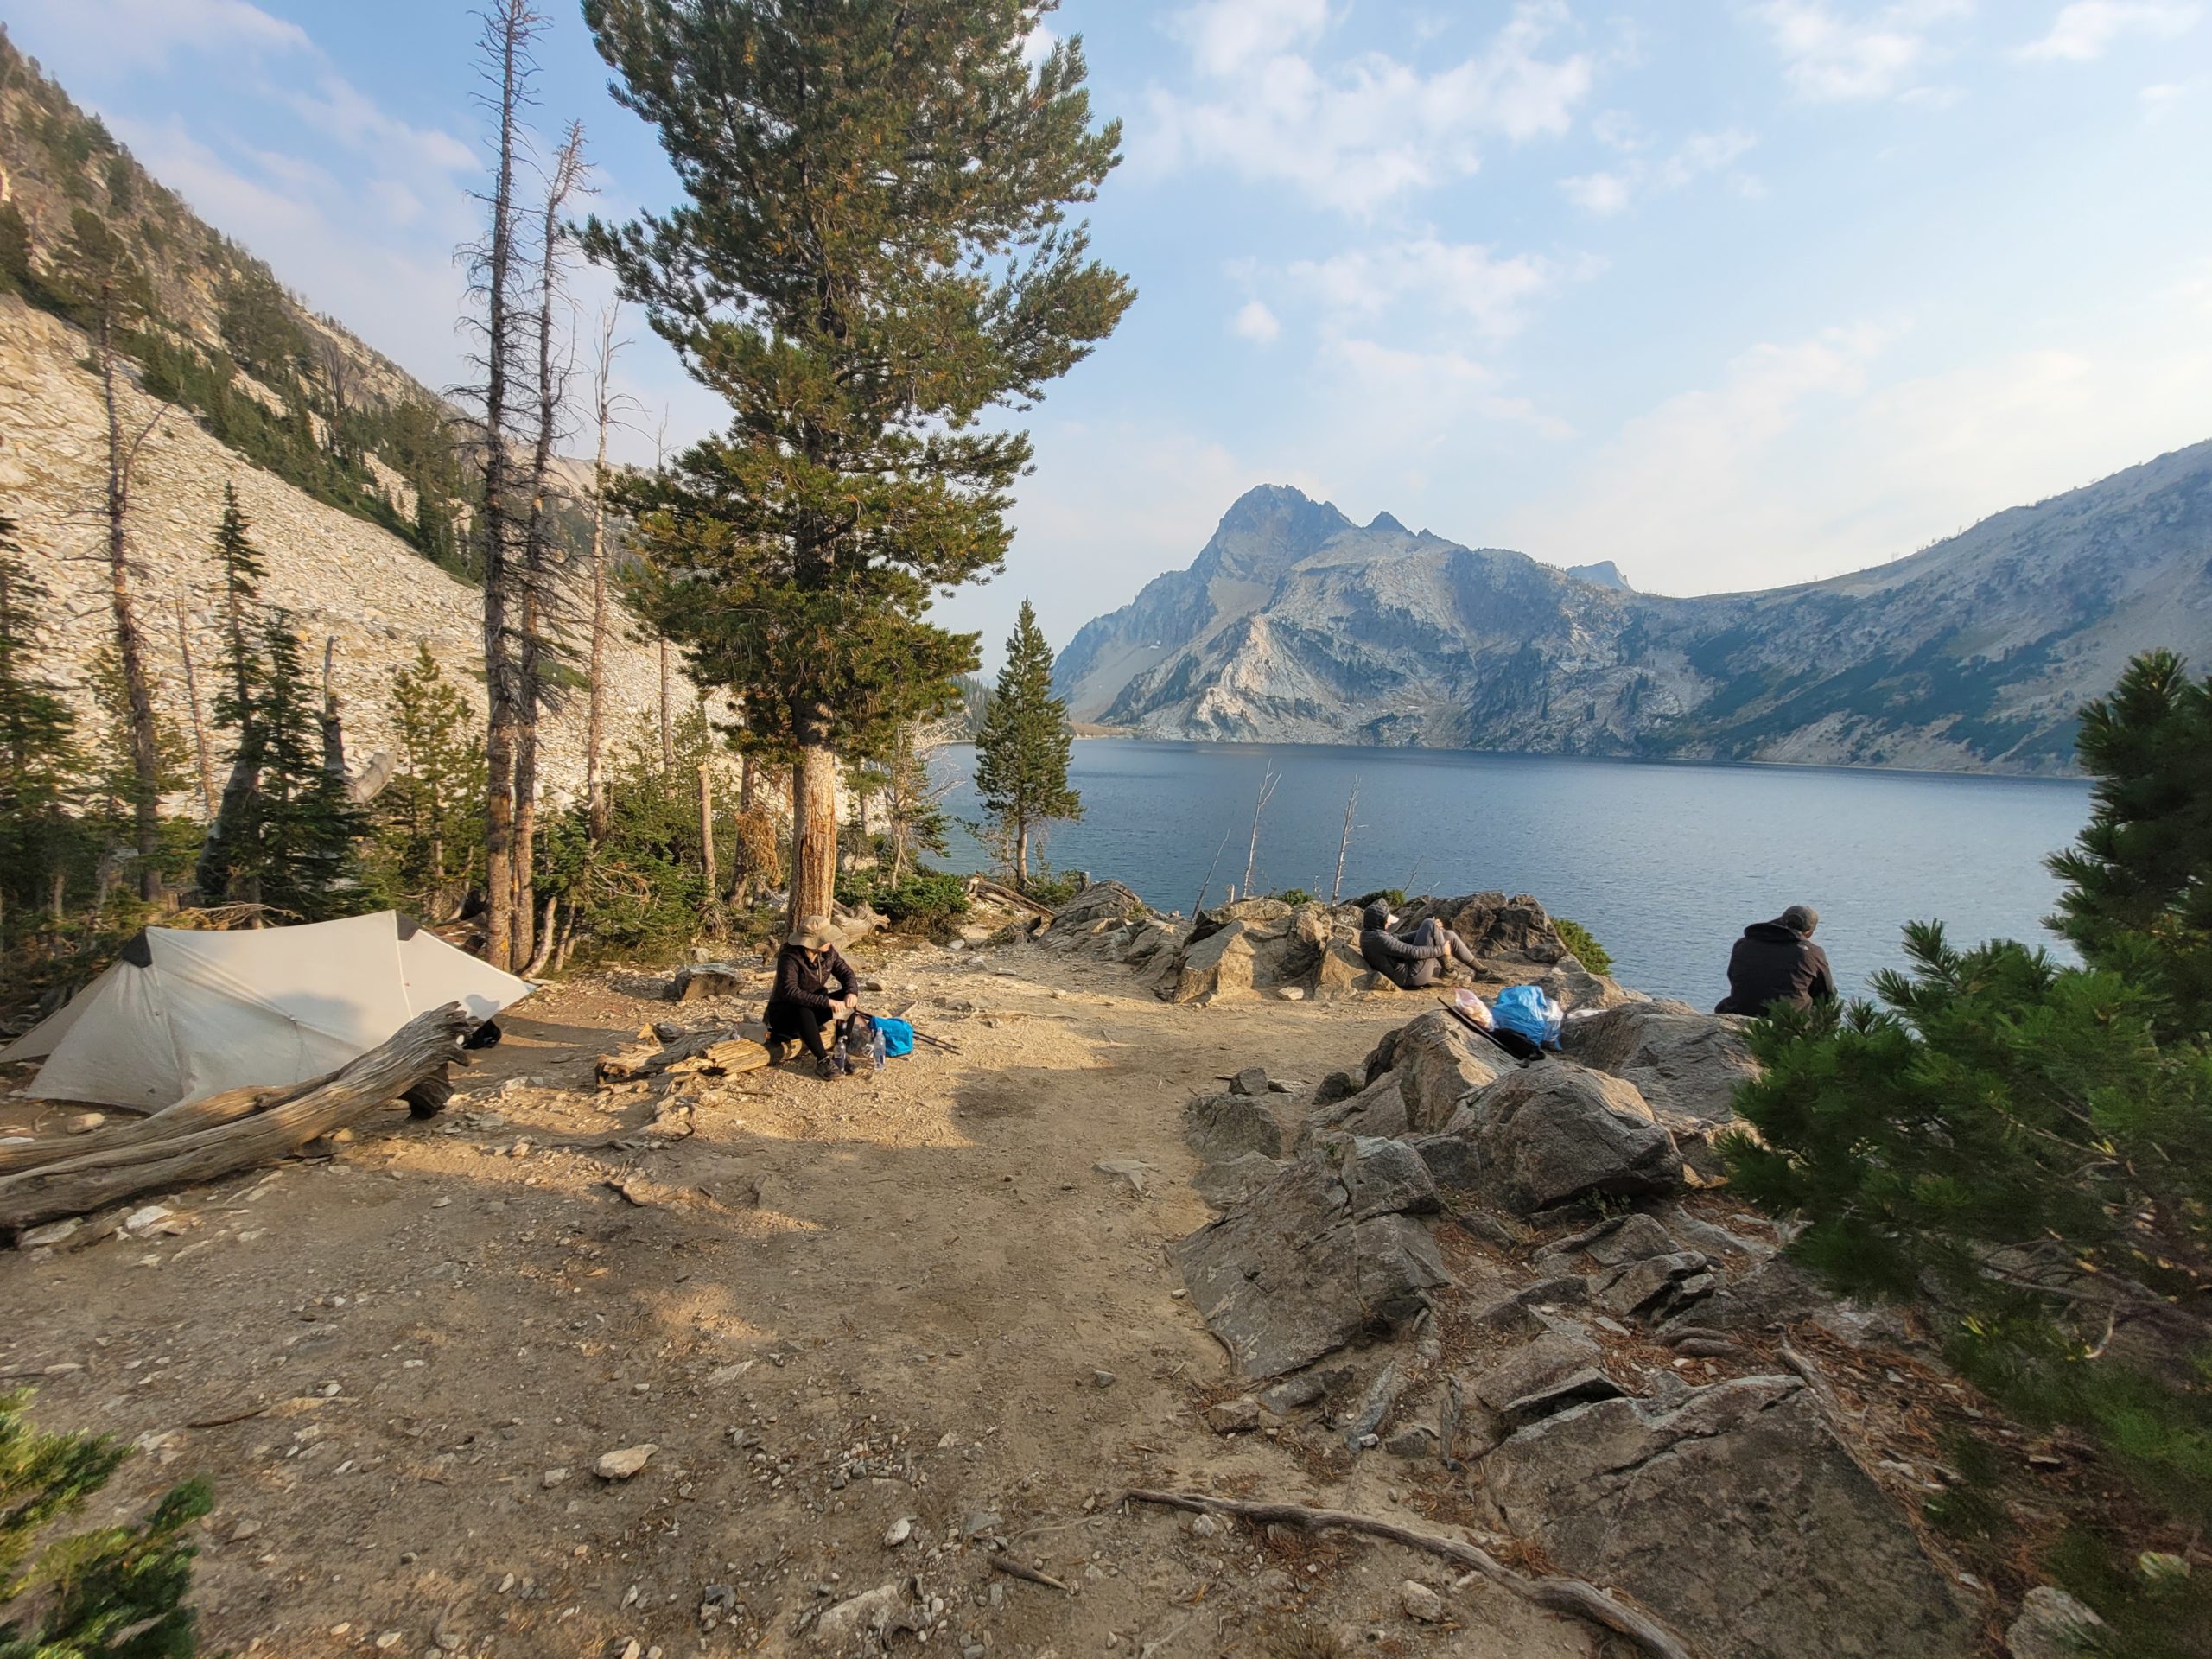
800,1002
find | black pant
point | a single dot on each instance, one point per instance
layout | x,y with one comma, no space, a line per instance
787,1020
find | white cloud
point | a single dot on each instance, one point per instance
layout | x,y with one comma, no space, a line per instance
1413,403
2084,29
1226,36
341,110
141,33
1256,322
1605,194
1834,54
1840,451
1356,134
1434,280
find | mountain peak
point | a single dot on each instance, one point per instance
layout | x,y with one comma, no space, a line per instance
1388,521
1604,574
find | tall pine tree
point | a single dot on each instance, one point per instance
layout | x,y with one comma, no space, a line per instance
1021,756
302,853
237,699
876,251
39,759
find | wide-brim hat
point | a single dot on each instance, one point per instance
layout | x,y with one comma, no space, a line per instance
814,933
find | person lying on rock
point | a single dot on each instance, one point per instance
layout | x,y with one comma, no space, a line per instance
800,1003
1777,965
1420,958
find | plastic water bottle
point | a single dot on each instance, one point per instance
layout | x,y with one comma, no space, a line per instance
876,1045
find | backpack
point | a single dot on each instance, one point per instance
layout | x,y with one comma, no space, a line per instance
897,1036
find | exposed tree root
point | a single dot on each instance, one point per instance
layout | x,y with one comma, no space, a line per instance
1558,1595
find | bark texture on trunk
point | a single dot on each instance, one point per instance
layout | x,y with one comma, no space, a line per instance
202,748
814,831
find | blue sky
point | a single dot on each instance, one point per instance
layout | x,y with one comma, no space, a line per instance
1733,292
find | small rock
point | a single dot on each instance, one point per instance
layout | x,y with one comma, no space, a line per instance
139,1222
1102,1379
1239,1417
553,1478
863,1615
2051,1625
1291,993
980,1522
1252,1080
1420,1602
52,1233
625,1463
244,1531
390,1639
84,1122
898,1532
1417,1441
1204,1526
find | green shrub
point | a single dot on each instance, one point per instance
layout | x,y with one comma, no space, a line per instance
2026,1150
1293,896
1587,952
113,1592
1392,897
920,902
1055,890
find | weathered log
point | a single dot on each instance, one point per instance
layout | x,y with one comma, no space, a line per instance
282,1122
1559,1595
185,1117
712,1051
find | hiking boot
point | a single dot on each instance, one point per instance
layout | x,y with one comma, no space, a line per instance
827,1071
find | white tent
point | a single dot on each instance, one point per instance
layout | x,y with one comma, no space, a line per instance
183,1013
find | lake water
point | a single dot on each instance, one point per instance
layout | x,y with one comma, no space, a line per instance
1664,863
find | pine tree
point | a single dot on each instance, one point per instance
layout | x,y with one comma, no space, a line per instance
876,251
2138,898
39,758
427,815
115,1593
302,856
237,704
1021,755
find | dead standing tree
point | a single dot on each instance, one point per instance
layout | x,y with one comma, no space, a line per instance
1269,781
1344,843
607,408
107,293
539,599
508,27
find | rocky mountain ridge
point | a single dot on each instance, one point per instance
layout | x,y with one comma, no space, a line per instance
1294,625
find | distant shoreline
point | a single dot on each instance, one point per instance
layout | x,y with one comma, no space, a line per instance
1088,732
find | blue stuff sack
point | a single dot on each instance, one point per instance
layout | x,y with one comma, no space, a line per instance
897,1036
1526,1012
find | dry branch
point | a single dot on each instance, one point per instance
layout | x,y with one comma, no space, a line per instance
1558,1595
258,1131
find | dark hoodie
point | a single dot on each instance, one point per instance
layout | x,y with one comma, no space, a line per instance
803,979
1389,955
1774,965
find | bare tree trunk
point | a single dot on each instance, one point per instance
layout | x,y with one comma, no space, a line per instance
130,644
711,881
507,32
540,600
814,824
546,933
1021,856
667,718
597,809
334,730
201,746
1344,843
1267,783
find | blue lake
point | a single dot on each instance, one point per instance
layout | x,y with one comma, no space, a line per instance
1664,863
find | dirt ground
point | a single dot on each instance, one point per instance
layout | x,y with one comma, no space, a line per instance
912,1298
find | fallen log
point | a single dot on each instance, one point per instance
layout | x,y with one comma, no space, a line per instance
715,1054
982,887
185,1117
1559,1595
278,1122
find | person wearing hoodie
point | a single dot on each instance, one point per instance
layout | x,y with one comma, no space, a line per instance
1777,965
1417,960
800,1002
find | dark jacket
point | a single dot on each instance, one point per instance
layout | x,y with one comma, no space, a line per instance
1386,953
1774,966
805,983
